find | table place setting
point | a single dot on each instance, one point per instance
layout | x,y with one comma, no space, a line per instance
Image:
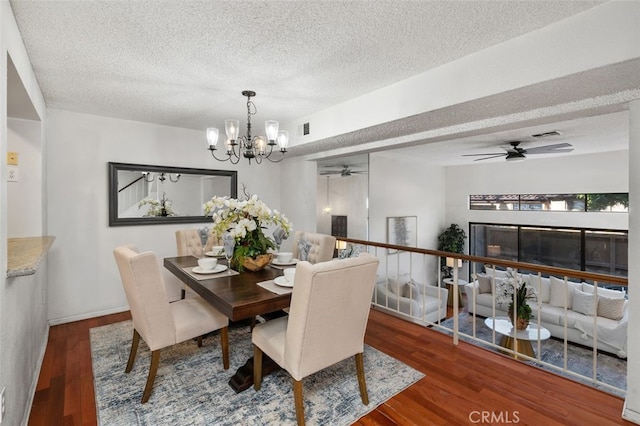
208,268
283,260
280,285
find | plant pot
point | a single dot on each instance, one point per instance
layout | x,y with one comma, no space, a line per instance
521,323
257,263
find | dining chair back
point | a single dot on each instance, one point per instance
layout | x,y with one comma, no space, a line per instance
188,244
319,247
158,322
327,320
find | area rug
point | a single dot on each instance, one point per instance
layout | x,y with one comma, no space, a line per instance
191,387
611,370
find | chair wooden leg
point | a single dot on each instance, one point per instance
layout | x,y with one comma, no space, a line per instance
153,369
224,342
199,340
133,351
183,293
257,367
361,380
297,396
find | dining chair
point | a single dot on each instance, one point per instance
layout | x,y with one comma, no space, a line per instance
327,319
319,247
188,244
162,324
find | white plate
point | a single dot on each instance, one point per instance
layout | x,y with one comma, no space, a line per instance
292,262
283,282
216,269
212,254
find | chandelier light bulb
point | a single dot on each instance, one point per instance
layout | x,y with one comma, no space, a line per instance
283,140
232,128
271,128
212,137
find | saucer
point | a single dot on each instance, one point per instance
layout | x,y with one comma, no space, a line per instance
212,254
215,270
291,262
283,282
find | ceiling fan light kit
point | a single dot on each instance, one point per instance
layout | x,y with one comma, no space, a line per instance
257,147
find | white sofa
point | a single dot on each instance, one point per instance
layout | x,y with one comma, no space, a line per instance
553,296
418,301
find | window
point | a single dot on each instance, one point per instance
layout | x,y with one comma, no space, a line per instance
591,250
606,202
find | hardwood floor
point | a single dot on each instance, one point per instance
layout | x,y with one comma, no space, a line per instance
464,384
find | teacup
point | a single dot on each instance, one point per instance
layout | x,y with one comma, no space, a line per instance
290,274
217,250
284,256
207,263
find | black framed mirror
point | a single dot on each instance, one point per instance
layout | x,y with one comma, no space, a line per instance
149,195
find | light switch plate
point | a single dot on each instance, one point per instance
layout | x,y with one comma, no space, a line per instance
12,174
12,158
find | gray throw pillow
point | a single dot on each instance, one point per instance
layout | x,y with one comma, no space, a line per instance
303,248
484,283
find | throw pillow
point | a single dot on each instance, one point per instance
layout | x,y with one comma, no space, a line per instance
583,303
611,308
411,290
559,291
542,286
495,272
606,292
303,248
484,283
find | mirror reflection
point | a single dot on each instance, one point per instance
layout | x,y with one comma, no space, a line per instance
144,194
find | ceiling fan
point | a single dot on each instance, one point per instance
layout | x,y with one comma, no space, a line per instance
516,153
343,172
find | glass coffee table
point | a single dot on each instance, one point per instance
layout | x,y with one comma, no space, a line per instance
518,341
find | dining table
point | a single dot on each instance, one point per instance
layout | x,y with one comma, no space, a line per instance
238,296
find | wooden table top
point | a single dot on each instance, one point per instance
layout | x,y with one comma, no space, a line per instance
238,296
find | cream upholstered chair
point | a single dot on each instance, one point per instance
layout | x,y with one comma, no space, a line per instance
326,324
188,244
321,246
158,322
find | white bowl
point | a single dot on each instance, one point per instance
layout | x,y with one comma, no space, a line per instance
285,256
207,263
290,274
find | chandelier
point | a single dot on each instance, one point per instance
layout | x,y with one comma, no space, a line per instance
256,147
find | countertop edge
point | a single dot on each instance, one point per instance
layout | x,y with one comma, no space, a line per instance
24,254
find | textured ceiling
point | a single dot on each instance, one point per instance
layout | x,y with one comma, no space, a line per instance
184,63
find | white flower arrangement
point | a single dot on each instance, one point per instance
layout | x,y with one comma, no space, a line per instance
245,220
163,207
514,283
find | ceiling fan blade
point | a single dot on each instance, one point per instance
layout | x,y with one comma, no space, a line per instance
330,173
486,153
559,147
493,156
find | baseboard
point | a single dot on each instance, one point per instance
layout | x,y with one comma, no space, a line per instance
36,377
73,318
630,415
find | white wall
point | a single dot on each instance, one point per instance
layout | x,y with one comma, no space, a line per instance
608,172
632,403
24,198
400,186
84,280
298,191
23,325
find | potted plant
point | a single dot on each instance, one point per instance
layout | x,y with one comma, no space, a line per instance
450,240
518,309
